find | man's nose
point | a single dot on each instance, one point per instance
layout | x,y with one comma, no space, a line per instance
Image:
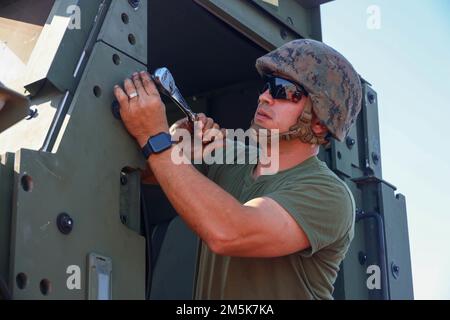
266,97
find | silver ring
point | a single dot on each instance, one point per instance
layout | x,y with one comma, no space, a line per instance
133,95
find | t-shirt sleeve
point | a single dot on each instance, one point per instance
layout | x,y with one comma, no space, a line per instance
324,209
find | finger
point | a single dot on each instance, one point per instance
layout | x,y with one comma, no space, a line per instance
216,126
148,83
211,134
224,132
129,88
138,84
186,124
198,130
121,96
201,117
181,122
209,148
178,124
208,124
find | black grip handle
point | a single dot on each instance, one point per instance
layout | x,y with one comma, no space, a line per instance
115,109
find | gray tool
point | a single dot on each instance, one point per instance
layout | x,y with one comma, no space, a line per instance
166,84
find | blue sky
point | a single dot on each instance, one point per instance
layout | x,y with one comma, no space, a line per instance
407,60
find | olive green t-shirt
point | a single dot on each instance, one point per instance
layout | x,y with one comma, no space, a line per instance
319,202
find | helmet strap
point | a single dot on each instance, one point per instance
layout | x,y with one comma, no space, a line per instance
302,129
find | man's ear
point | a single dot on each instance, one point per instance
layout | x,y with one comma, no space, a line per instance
317,127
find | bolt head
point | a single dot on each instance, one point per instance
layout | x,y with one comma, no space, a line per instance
395,269
350,142
123,179
362,257
375,157
64,223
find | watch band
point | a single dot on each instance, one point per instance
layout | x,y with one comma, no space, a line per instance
157,144
147,150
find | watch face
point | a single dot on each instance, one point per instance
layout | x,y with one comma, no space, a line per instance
160,142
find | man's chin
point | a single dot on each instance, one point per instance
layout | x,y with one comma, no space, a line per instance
261,125
256,125
261,133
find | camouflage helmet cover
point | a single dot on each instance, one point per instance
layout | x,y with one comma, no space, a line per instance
331,81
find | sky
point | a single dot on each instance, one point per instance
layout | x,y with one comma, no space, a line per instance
402,48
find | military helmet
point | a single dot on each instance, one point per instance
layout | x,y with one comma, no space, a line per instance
330,80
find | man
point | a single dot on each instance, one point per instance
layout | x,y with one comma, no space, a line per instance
278,236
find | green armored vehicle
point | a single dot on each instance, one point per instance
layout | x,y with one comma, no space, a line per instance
75,220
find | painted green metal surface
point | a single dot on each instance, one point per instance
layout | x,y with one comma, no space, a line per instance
130,196
345,158
371,131
174,274
351,282
295,15
20,136
6,193
252,21
70,181
55,62
381,231
398,253
125,29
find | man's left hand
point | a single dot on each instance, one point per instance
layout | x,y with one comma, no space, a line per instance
141,107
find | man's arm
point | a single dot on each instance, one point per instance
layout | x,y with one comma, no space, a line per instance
259,228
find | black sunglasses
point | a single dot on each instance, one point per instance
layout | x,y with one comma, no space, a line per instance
280,88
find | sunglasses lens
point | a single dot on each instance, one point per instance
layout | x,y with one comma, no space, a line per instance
282,89
277,90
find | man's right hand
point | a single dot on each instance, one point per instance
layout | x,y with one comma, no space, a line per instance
202,122
203,127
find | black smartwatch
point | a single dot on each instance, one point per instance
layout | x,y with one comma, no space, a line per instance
157,144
